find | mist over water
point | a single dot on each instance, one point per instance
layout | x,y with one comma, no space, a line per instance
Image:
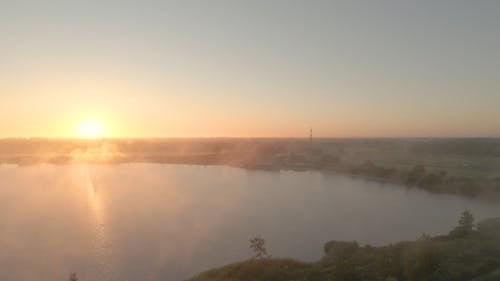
169,222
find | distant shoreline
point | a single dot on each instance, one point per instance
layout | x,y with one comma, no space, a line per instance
467,167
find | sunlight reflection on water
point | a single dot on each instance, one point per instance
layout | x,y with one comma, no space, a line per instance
101,247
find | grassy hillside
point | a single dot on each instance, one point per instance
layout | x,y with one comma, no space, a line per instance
466,253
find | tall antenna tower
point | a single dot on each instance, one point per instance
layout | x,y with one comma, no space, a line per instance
311,136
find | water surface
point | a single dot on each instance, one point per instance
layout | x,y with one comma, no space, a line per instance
141,222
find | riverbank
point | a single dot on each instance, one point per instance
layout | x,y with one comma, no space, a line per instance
464,254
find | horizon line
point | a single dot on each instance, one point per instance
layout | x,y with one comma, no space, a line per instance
252,137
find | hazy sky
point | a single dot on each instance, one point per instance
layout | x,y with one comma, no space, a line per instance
250,68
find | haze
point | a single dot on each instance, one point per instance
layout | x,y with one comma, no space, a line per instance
254,68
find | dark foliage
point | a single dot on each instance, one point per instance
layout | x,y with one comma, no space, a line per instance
465,254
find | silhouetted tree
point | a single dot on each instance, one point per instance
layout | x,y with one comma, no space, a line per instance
72,277
258,246
465,224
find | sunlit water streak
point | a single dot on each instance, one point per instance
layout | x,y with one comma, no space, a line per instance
101,245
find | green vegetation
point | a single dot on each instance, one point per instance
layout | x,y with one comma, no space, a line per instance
465,254
490,278
264,269
435,181
465,225
258,245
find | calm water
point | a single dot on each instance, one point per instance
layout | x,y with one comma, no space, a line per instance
142,222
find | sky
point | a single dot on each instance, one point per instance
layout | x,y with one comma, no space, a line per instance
271,68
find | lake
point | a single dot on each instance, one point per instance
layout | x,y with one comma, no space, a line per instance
140,222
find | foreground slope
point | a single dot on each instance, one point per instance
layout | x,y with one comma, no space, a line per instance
464,254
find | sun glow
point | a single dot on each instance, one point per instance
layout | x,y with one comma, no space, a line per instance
90,129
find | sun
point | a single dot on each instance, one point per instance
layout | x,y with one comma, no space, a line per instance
90,129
